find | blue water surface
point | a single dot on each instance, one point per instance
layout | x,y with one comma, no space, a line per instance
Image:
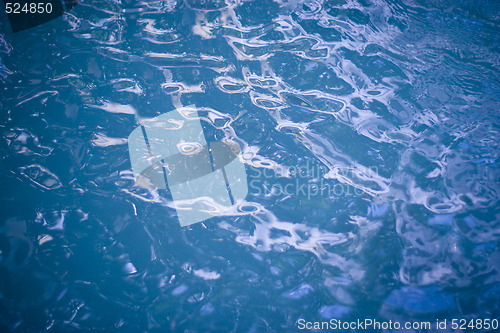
381,115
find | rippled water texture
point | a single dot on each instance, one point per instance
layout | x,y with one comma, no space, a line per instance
392,105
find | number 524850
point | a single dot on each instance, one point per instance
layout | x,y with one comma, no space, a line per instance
474,324
31,8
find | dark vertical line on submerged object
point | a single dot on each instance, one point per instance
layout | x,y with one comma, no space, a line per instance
214,167
164,174
147,141
227,185
211,157
151,155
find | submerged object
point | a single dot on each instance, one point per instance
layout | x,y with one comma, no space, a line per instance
25,14
204,179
